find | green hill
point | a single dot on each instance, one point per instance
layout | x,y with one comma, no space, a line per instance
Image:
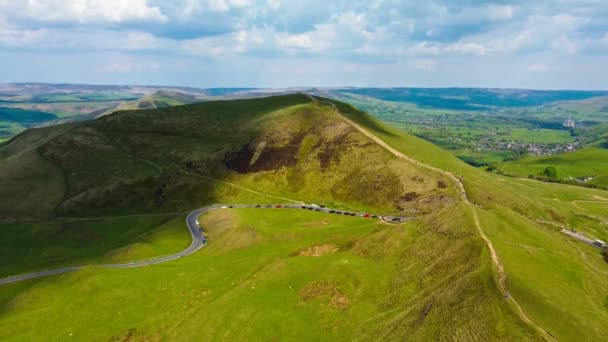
432,278
158,99
586,166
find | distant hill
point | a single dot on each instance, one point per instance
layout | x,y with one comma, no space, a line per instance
159,99
472,99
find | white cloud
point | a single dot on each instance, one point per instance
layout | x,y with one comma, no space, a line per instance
273,4
425,64
227,5
83,11
11,36
538,67
498,13
299,41
141,41
129,66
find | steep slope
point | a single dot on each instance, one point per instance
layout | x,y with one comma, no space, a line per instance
148,161
546,271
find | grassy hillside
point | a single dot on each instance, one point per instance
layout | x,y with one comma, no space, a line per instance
259,280
430,279
148,161
52,244
589,164
531,251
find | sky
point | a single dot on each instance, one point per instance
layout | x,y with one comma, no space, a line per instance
540,44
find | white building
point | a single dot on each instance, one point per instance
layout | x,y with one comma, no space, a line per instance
569,123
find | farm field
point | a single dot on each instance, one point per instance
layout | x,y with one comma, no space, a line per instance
588,164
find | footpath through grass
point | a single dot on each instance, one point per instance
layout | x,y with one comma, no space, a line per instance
560,283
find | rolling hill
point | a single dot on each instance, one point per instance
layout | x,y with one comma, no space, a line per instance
432,278
158,99
586,166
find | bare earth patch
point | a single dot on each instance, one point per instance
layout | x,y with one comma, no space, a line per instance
337,299
319,250
315,224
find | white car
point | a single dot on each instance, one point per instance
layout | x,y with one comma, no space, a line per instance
223,207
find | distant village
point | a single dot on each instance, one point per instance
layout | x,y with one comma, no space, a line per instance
531,148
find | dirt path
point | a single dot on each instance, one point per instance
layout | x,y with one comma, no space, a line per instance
160,169
463,194
240,187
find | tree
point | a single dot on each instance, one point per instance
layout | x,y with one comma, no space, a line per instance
550,172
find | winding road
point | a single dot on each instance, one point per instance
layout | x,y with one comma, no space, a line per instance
198,242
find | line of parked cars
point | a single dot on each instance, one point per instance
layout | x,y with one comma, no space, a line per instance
314,207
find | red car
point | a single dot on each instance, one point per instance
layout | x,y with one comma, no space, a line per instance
366,215
279,206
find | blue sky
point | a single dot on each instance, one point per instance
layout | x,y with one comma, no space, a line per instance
560,44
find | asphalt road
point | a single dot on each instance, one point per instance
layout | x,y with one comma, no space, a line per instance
197,243
580,237
198,239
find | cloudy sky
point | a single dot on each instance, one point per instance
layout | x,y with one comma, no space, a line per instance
559,44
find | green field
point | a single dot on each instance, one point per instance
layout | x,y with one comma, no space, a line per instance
590,162
82,97
260,273
28,247
547,136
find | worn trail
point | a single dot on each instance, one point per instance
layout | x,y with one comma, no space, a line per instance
463,194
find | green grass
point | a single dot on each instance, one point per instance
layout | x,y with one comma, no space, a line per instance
28,247
252,273
547,136
545,286
132,162
84,97
587,162
429,279
559,282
